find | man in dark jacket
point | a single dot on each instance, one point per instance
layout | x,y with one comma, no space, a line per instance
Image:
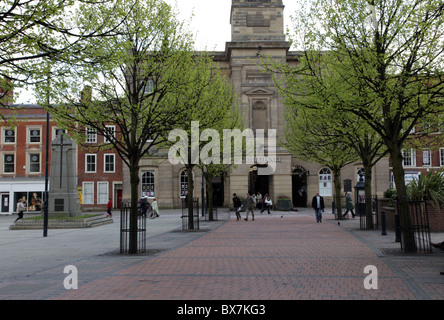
318,205
237,204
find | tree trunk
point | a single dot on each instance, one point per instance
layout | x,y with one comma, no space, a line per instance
403,208
190,197
209,187
368,197
134,181
337,182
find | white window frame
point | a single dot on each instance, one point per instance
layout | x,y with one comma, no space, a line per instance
102,192
441,157
325,182
183,185
112,131
28,162
87,156
88,192
29,136
3,132
4,162
91,135
427,154
410,156
152,191
105,162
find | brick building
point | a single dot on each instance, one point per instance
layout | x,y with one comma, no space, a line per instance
23,164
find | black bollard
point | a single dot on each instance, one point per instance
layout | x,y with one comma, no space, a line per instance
397,229
384,230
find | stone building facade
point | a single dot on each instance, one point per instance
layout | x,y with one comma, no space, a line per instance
257,28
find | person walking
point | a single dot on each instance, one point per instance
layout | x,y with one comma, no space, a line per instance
267,203
317,203
143,206
349,205
250,206
21,208
237,204
155,208
109,206
260,201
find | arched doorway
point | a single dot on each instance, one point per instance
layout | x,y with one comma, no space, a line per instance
299,186
258,183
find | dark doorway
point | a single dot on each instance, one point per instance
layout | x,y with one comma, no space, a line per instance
299,184
218,192
258,183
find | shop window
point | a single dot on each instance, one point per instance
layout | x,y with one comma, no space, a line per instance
325,182
148,184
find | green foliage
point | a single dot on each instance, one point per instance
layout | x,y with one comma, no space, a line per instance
428,187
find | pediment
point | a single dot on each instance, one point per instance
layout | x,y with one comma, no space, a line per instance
259,92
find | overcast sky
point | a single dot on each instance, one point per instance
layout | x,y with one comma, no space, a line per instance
210,26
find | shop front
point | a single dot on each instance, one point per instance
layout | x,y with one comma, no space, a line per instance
31,190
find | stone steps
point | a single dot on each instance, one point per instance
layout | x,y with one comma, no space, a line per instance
89,222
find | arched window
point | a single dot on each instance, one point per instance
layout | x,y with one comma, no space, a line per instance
183,184
148,184
325,182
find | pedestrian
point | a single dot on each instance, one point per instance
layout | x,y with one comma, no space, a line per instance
348,205
317,204
260,201
267,203
109,206
155,208
20,208
237,204
143,206
250,206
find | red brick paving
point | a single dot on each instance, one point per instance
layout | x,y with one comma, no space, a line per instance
271,258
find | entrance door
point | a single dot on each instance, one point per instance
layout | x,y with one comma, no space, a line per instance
5,202
257,183
299,184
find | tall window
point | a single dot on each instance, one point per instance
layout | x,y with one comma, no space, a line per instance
34,135
109,160
409,158
441,157
34,163
90,163
148,184
111,130
183,184
426,157
91,135
325,182
8,135
102,192
88,193
8,163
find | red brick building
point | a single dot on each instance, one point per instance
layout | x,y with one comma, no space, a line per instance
23,159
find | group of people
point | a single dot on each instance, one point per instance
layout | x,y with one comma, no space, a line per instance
253,202
144,205
317,203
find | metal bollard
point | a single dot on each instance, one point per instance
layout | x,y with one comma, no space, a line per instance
383,226
397,229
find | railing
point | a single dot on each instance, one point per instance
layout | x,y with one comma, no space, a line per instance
419,226
190,223
126,233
